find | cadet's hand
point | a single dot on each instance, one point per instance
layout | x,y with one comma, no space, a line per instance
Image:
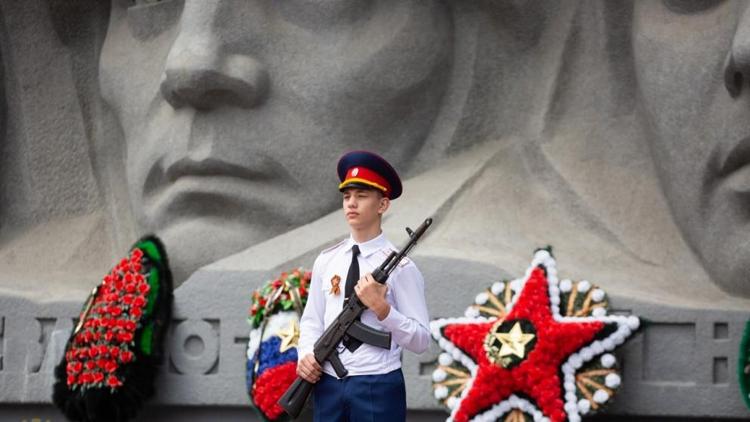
309,368
372,294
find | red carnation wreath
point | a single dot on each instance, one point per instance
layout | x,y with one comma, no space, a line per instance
272,348
110,360
530,349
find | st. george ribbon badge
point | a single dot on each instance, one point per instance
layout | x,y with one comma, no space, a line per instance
335,281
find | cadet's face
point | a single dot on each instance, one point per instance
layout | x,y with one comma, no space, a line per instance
363,207
692,60
235,112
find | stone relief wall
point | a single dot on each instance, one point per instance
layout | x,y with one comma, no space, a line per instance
614,132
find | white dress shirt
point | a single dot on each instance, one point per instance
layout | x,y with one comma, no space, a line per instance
407,319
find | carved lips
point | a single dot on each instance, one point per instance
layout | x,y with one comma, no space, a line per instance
735,167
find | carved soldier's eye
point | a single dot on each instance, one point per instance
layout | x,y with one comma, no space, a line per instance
144,2
319,15
149,18
690,7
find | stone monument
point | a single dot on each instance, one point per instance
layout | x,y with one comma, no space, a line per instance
616,132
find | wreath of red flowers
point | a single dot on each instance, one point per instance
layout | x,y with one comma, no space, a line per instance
524,358
112,357
106,334
270,371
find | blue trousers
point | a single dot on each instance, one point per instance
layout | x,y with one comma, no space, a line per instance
360,398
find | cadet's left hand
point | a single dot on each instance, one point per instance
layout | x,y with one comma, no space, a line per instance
372,294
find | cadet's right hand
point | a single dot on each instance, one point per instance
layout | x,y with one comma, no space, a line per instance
309,368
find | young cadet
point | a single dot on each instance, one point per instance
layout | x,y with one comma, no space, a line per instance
374,389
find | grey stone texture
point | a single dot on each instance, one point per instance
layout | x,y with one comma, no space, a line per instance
615,131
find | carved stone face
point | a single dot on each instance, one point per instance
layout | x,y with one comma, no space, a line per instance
235,112
692,60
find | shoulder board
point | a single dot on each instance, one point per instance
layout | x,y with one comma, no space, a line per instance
331,248
387,251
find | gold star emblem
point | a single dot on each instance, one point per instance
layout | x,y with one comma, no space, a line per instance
507,348
514,342
289,336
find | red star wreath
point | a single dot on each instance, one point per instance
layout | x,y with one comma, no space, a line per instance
516,356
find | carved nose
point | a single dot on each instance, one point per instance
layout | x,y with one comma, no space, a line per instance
737,62
205,81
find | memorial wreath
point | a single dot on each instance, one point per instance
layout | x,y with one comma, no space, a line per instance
533,348
272,350
110,359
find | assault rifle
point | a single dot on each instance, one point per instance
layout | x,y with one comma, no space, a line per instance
348,324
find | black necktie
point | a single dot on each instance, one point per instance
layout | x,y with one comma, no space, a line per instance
351,279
